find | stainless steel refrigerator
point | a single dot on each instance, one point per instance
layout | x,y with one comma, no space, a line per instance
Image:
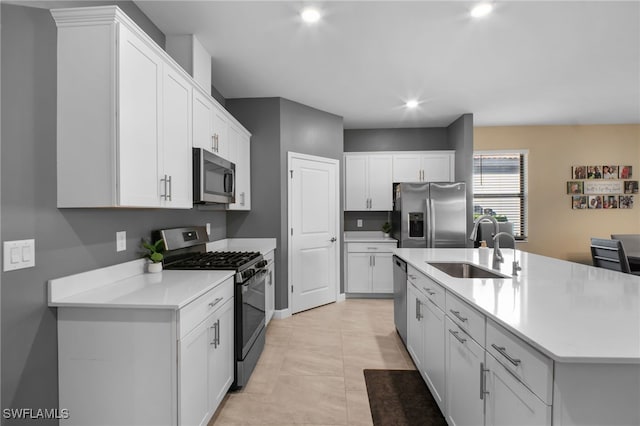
430,214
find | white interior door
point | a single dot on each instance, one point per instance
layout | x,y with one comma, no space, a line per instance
314,228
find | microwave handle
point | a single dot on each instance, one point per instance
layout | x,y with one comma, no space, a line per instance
228,186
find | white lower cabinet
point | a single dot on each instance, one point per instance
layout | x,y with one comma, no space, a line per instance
415,332
508,401
135,366
464,361
369,267
270,288
434,351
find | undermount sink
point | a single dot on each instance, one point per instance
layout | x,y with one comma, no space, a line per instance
465,270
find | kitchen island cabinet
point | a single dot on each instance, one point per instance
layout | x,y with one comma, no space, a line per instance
139,348
559,344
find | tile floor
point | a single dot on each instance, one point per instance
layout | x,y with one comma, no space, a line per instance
310,372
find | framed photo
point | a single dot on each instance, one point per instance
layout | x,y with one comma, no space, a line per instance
626,201
610,201
610,172
595,201
575,187
594,172
624,172
579,202
579,172
630,186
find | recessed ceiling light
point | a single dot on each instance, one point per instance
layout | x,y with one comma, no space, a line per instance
310,15
411,104
481,9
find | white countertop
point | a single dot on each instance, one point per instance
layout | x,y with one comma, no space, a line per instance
569,311
367,237
262,245
127,286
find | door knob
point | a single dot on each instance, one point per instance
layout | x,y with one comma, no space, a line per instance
333,239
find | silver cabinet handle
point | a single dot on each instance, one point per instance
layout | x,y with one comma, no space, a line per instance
483,384
213,143
217,333
214,342
457,315
503,352
242,197
372,248
455,334
418,310
429,291
164,180
170,188
215,302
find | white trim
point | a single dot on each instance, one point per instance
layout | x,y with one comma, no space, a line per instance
279,314
439,151
341,297
290,156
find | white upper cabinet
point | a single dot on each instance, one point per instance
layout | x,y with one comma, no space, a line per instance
240,154
435,166
368,182
128,116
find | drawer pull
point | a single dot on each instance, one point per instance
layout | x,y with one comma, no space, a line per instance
215,302
455,334
372,248
503,352
483,391
457,315
429,291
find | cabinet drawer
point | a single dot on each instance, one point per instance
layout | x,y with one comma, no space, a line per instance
427,286
198,310
470,320
370,247
530,366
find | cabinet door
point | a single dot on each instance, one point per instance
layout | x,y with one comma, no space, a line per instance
239,150
139,89
220,132
382,273
359,272
380,179
355,179
270,294
221,358
437,167
176,141
415,333
434,351
202,121
509,402
407,168
193,375
464,359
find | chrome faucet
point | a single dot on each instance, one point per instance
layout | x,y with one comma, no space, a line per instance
515,266
497,254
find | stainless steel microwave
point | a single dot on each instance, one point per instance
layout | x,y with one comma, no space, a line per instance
213,178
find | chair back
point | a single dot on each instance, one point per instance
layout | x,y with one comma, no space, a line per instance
609,254
630,242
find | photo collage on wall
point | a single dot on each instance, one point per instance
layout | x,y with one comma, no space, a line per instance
602,187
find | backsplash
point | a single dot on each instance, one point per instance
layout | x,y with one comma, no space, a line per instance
371,221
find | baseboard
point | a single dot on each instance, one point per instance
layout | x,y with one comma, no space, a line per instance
281,314
341,297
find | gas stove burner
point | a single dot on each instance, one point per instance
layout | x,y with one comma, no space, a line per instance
216,260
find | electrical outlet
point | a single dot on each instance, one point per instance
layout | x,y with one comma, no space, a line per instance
121,240
359,223
208,228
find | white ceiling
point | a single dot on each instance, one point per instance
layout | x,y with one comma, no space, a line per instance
528,63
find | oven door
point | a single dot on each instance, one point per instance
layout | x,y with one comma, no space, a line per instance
250,315
213,178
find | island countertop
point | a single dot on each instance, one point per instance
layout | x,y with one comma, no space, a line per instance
571,312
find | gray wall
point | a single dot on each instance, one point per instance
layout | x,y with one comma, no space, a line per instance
68,241
460,135
416,139
279,126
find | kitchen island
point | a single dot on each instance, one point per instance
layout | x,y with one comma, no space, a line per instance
577,328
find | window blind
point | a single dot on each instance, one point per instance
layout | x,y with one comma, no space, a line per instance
499,188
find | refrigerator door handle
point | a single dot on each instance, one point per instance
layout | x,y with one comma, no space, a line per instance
432,223
427,223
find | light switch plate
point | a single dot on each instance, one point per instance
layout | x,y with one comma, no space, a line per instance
359,223
19,254
121,240
208,228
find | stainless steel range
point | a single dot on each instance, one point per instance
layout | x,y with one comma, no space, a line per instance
186,249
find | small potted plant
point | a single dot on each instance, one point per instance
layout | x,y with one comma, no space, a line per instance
386,229
154,255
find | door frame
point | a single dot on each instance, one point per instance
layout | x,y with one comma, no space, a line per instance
290,157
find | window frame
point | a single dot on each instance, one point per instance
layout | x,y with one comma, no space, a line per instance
524,179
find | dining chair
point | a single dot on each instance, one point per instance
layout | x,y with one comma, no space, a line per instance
609,254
